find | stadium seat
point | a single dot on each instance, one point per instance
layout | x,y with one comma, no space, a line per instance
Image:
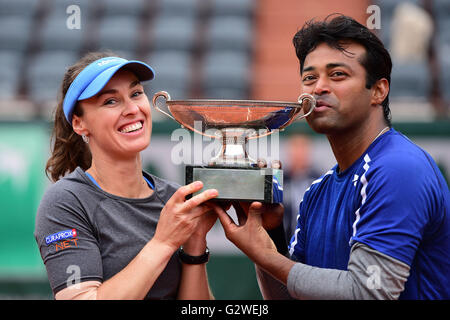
445,83
442,32
24,8
171,8
229,33
56,36
45,73
11,63
233,7
410,80
387,9
226,75
118,33
58,9
120,7
443,53
174,33
172,73
441,9
15,32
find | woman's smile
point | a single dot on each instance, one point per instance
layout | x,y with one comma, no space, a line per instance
135,127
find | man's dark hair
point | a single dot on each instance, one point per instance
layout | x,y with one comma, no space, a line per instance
377,61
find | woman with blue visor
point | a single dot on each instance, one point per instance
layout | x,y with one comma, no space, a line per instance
106,229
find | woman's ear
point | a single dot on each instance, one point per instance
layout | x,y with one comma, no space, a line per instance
79,126
380,91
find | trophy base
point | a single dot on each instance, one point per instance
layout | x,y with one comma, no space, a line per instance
238,183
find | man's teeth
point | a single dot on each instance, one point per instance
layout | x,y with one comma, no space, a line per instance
133,127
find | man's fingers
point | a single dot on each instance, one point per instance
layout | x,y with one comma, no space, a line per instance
276,164
255,207
261,163
241,215
226,221
255,211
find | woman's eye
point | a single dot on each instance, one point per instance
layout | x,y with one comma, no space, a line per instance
109,101
137,93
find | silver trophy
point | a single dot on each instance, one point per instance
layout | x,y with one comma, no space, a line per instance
232,171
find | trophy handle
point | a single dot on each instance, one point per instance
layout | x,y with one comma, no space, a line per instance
312,100
164,94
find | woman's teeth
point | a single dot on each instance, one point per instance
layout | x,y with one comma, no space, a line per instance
132,127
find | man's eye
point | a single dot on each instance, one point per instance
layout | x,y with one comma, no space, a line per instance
308,78
338,74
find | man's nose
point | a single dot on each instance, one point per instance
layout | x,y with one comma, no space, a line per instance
322,86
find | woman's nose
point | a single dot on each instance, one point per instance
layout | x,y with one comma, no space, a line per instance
130,107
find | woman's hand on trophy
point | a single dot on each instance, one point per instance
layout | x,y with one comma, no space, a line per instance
181,218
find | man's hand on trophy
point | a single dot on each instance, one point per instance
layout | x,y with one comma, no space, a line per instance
262,163
272,214
249,236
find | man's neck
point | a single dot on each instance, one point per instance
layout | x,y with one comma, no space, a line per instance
348,146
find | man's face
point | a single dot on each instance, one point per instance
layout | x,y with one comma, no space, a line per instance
337,80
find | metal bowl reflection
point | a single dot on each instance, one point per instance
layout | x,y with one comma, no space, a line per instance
200,115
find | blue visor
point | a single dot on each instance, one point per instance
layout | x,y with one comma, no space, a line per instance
95,76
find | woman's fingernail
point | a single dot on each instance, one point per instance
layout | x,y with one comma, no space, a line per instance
198,184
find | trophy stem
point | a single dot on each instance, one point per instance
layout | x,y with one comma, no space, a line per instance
234,148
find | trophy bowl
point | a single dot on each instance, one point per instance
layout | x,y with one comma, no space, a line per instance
219,114
232,171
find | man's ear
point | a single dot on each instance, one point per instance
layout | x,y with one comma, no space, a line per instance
79,126
380,91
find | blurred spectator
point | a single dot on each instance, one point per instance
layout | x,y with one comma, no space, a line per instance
298,175
411,29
